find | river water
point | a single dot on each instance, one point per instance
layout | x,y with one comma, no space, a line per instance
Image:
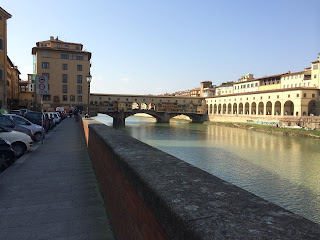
282,169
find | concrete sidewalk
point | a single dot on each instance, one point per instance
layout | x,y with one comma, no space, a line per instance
52,192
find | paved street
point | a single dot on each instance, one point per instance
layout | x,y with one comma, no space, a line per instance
52,192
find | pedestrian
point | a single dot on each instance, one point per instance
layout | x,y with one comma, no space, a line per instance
76,114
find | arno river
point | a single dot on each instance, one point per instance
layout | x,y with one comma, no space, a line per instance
282,169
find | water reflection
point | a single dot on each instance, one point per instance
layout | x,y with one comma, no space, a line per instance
282,169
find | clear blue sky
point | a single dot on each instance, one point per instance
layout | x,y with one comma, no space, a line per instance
153,46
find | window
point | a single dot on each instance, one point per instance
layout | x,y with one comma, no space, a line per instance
79,89
66,46
77,48
278,96
64,66
46,98
45,54
288,95
256,84
59,46
64,56
79,67
79,79
79,98
19,120
1,75
64,88
315,76
0,18
315,67
64,98
298,95
72,98
71,56
46,75
313,95
45,65
64,78
304,95
43,44
79,57
1,44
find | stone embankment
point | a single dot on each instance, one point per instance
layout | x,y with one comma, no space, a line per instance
153,195
269,129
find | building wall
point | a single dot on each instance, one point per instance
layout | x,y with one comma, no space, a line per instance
12,82
268,103
52,55
3,57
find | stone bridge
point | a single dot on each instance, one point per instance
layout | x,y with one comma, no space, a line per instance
162,117
119,107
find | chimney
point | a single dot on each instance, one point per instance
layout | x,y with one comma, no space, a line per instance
51,38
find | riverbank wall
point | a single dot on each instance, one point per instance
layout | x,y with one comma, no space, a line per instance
312,122
153,195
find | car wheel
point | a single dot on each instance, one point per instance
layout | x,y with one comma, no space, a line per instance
5,160
19,148
37,137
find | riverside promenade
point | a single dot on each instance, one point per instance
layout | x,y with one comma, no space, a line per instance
52,192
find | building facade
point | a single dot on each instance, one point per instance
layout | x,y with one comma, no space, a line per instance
13,79
4,16
288,97
66,66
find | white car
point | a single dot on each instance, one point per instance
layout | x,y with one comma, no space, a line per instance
57,117
20,142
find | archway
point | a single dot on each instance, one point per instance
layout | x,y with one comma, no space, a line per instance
144,106
235,110
210,109
219,109
288,108
215,109
253,108
277,108
246,108
260,108
269,108
152,106
313,108
224,109
229,108
135,106
240,108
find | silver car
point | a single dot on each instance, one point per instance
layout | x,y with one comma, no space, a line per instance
36,129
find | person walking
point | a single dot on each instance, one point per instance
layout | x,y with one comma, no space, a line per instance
76,114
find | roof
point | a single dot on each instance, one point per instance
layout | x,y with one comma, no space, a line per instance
147,96
315,61
34,50
5,13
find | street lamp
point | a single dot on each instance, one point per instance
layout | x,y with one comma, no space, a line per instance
89,78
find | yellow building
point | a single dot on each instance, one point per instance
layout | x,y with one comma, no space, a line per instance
288,97
13,78
4,16
66,65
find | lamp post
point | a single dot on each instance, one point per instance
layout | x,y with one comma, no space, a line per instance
89,78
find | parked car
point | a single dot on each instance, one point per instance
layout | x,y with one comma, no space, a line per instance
36,118
36,129
20,142
7,123
57,118
7,155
